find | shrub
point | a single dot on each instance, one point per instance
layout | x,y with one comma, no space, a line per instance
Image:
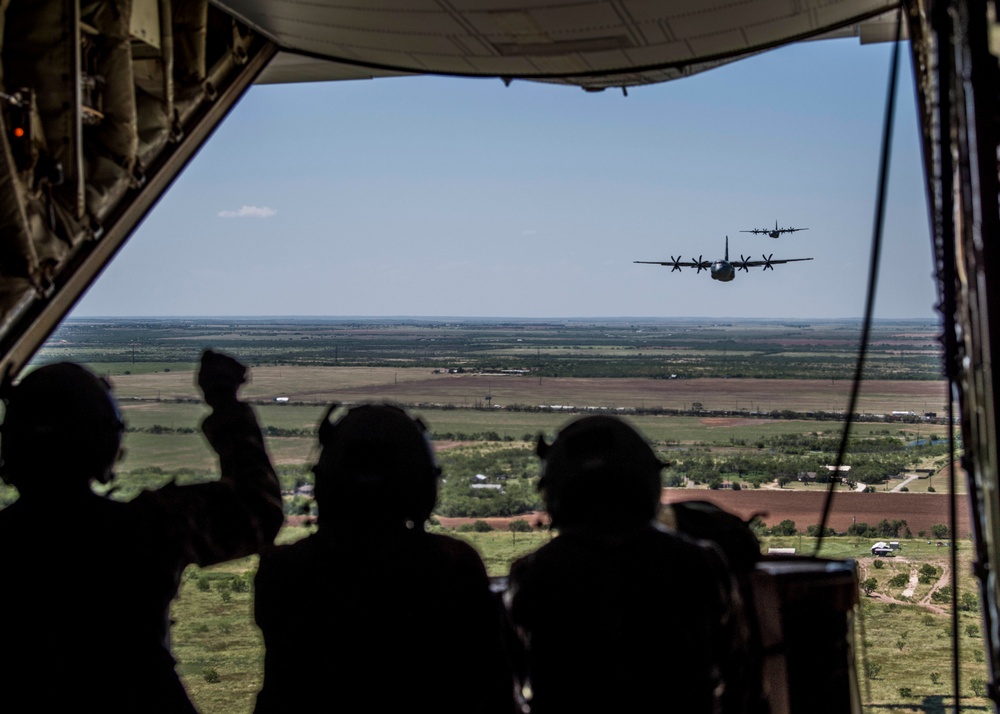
204,584
481,527
939,531
211,675
520,526
785,528
905,692
935,678
872,669
674,480
878,565
813,531
978,686
968,602
972,630
869,585
899,580
941,595
930,489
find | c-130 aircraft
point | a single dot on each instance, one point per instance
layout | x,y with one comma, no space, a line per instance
722,270
773,232
104,102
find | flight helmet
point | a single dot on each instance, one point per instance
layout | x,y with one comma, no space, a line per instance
376,466
599,473
61,421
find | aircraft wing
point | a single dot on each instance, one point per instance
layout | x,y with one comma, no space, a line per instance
755,231
677,263
767,262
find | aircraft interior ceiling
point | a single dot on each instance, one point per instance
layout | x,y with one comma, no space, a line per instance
105,101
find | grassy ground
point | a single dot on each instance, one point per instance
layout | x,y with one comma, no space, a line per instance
907,643
682,429
218,647
412,385
212,636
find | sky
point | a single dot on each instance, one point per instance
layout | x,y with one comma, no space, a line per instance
429,196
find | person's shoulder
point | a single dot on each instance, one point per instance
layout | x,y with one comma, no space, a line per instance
546,559
452,548
287,554
279,565
694,555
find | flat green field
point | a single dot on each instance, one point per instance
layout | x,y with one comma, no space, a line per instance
417,385
479,382
515,424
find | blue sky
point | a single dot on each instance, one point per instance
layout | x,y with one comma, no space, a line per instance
436,196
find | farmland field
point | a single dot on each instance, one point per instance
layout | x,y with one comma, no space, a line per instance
748,413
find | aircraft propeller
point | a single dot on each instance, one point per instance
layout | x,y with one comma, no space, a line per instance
767,261
700,263
677,263
743,263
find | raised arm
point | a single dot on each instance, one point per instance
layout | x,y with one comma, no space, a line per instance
248,506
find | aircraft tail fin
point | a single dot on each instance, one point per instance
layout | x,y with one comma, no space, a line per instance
727,249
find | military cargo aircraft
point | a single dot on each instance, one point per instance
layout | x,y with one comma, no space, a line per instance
773,232
722,269
103,103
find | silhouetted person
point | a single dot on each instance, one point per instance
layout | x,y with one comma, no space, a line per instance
85,581
371,613
617,614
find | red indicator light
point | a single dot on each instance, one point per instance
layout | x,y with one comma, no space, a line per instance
18,132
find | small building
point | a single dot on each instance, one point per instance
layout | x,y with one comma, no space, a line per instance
882,549
781,551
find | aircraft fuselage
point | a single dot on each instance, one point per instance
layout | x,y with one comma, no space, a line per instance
723,270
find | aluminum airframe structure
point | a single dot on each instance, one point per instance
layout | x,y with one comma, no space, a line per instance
773,232
722,270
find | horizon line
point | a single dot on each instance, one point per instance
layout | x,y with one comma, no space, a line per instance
469,318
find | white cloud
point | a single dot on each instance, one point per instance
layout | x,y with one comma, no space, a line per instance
249,212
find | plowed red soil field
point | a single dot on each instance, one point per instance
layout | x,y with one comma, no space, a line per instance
919,510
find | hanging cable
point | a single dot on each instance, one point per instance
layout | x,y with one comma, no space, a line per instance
873,266
953,525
